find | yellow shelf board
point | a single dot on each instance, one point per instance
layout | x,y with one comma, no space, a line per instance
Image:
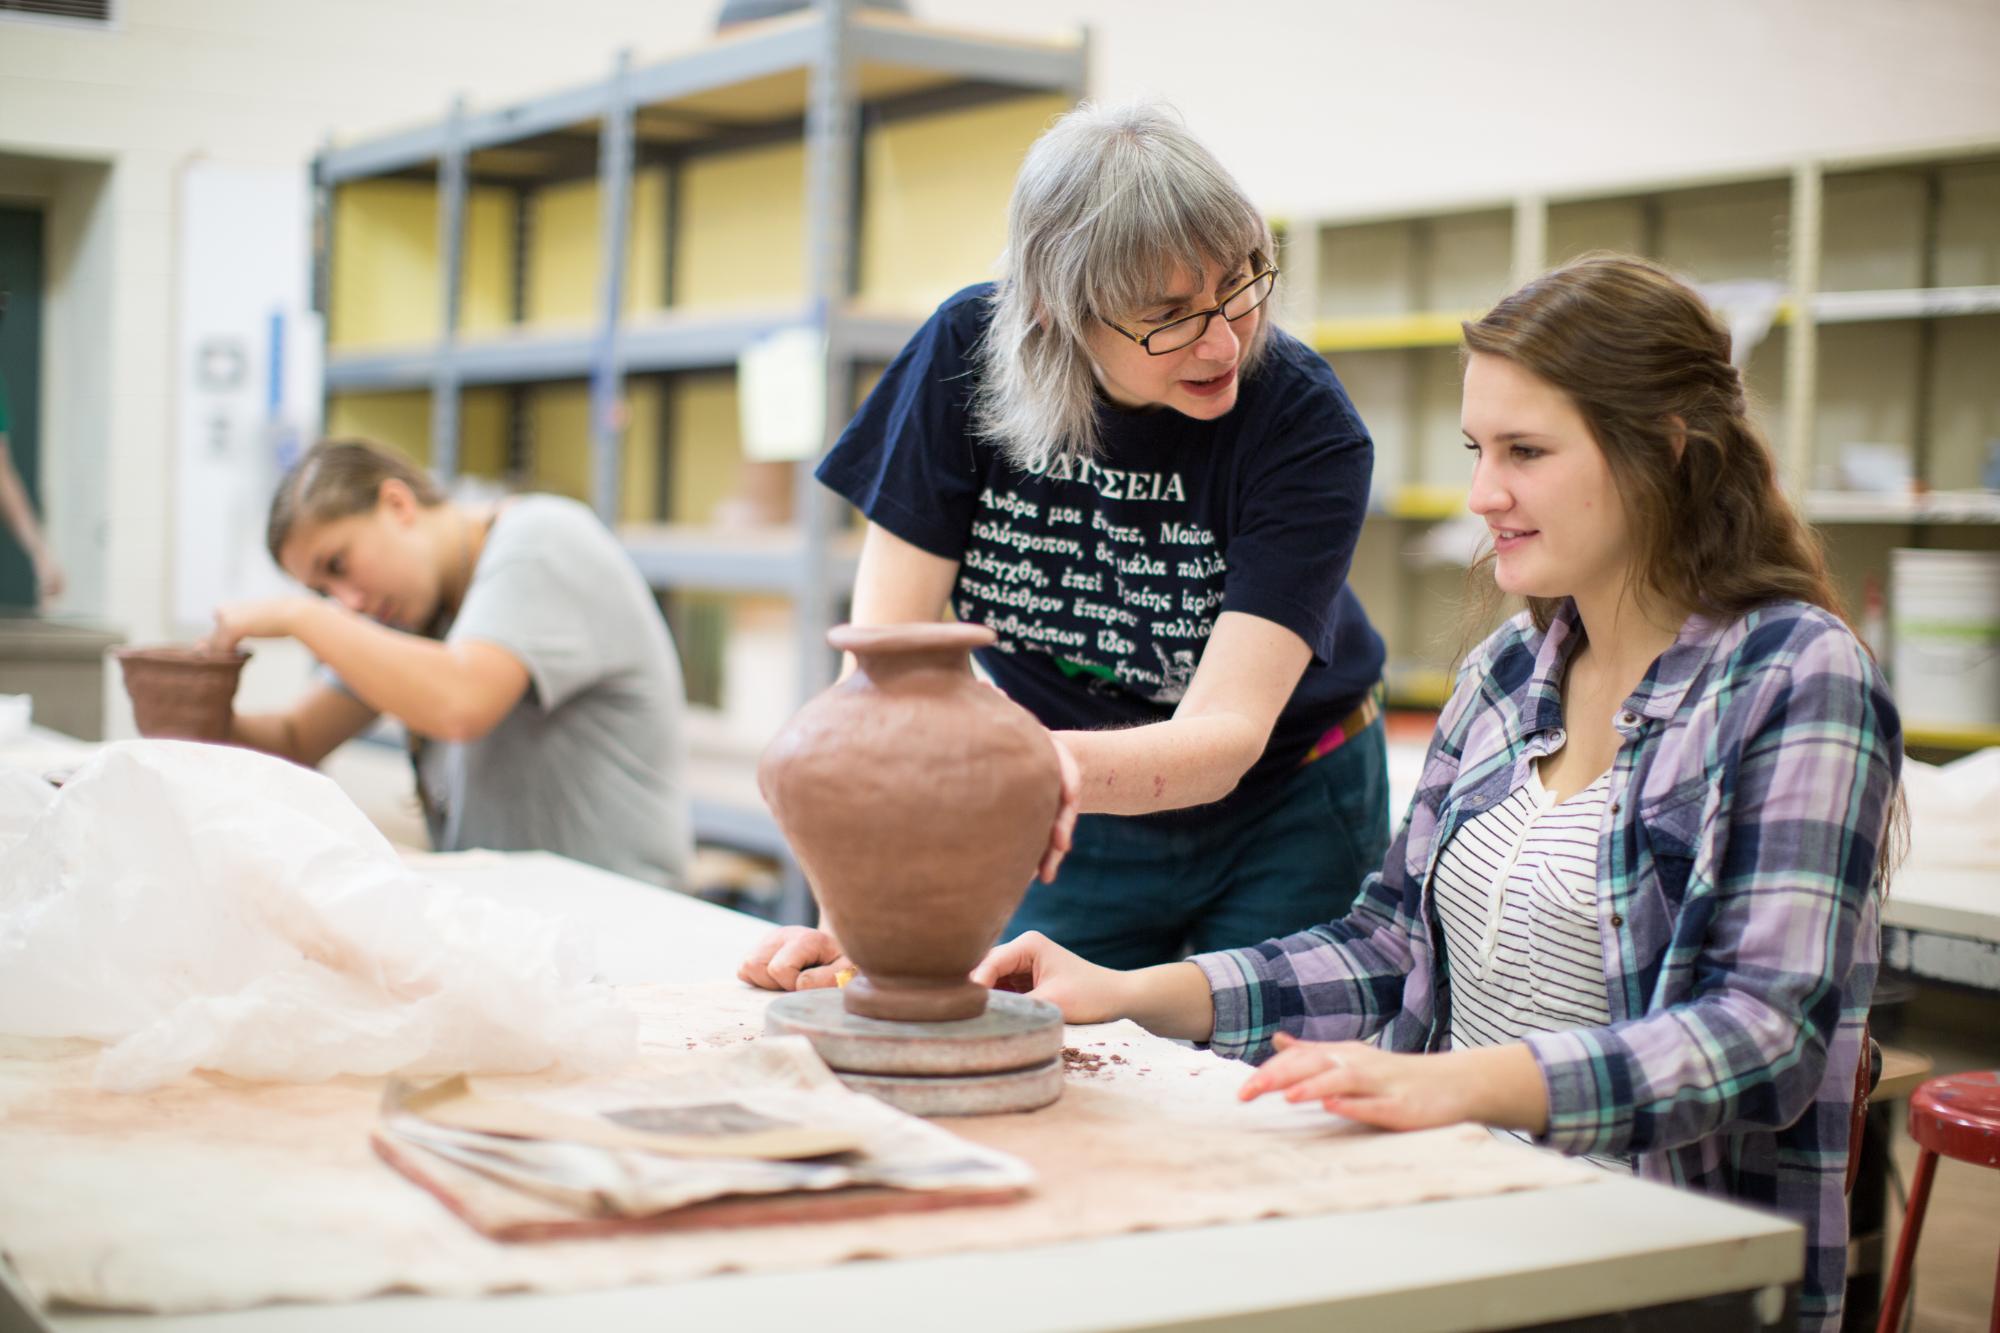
1428,328
1425,503
1431,328
1951,738
1417,687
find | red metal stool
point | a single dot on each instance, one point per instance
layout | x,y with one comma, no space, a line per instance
1957,1116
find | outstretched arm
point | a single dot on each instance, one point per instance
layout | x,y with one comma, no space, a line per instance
319,723
1248,670
444,691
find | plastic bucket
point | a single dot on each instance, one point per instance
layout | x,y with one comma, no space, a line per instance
1946,662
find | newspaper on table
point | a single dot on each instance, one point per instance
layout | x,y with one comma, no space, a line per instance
767,1118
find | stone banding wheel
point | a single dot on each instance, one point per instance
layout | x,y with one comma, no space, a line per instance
1007,1059
965,1094
1015,1033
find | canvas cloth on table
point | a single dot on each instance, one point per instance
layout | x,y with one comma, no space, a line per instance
213,1193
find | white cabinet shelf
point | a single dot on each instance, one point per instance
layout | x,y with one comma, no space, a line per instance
1909,303
1971,507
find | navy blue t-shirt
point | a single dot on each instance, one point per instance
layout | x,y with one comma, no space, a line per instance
1104,578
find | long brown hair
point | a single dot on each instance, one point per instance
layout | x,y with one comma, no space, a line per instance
336,478
1646,363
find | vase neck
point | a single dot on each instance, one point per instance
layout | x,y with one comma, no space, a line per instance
904,665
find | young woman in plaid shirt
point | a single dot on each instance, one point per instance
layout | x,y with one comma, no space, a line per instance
1682,675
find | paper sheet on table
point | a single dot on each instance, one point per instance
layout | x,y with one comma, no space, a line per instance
208,907
701,1129
764,1090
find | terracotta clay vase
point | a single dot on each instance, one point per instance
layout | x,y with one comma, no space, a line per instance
182,693
918,801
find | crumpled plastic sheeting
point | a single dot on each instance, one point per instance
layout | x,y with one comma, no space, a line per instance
206,907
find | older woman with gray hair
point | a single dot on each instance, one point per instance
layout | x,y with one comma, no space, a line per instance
1113,459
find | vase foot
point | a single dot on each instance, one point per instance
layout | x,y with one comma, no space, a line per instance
899,1001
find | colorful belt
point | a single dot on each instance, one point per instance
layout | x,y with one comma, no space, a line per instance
1348,727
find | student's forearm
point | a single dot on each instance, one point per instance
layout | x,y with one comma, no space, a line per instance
1164,765
1507,1085
419,682
269,732
1172,999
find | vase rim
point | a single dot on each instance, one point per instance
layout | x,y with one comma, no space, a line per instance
179,654
926,636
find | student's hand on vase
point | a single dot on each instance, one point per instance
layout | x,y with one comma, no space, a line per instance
50,581
1066,811
261,618
795,958
1034,965
1362,1082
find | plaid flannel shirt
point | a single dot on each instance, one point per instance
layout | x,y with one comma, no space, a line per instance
1736,911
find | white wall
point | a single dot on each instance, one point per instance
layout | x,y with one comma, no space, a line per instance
96,125
1336,106
1318,105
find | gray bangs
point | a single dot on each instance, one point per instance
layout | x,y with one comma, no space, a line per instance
1110,203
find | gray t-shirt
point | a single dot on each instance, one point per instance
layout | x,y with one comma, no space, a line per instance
590,763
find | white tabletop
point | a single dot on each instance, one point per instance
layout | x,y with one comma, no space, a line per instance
1949,900
1530,1257
1479,1263
1942,923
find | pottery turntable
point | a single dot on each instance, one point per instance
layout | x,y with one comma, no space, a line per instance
1009,1058
919,803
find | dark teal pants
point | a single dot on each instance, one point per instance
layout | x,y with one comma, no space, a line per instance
1132,893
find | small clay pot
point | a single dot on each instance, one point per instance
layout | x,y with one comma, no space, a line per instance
182,693
919,803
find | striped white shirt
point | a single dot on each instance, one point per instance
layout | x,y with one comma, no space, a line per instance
1516,890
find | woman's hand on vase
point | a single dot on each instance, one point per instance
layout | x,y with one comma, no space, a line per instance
795,958
1060,837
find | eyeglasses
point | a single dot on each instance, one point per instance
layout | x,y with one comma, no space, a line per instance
1187,330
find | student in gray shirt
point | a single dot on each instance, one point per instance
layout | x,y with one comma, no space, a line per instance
517,645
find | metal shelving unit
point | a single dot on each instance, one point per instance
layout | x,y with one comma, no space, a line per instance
1382,293
819,77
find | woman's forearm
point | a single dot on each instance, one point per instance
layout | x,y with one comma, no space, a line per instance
1505,1084
1164,765
269,732
1172,1000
